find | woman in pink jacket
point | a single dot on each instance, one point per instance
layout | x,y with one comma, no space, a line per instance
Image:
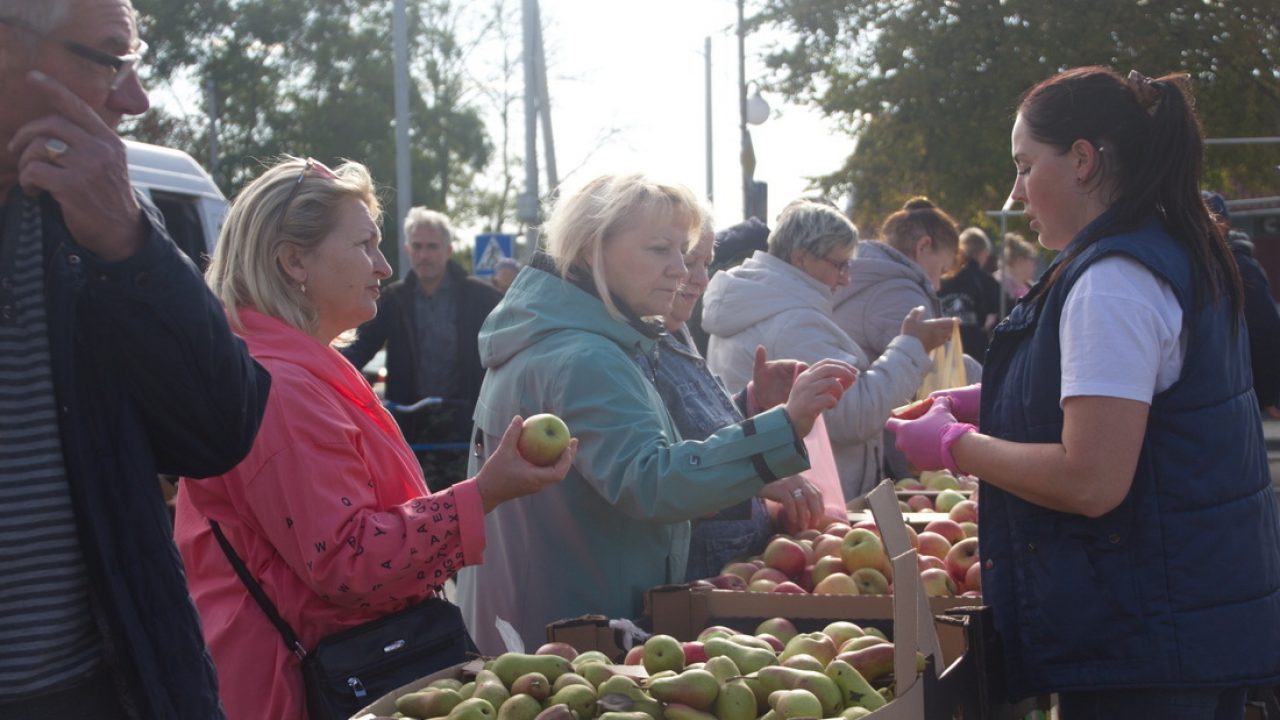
329,511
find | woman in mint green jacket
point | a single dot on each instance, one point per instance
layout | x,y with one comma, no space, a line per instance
562,341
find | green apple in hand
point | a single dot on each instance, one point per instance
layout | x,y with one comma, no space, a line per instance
542,439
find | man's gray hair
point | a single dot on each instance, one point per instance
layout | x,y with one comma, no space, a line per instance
45,16
814,227
421,217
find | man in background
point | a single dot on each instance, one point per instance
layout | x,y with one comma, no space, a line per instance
429,323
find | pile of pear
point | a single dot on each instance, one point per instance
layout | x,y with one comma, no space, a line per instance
743,678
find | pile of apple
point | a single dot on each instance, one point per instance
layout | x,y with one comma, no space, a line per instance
851,560
951,491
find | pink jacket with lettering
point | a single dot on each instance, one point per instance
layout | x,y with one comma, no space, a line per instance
329,512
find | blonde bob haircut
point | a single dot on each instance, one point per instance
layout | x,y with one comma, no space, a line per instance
583,223
246,270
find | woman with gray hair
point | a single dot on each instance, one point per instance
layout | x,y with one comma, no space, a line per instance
781,300
562,341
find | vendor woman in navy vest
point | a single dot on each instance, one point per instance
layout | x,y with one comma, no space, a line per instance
1129,537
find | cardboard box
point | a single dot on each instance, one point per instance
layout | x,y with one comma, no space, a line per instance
595,632
386,705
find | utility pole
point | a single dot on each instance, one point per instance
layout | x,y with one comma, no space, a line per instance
404,179
527,205
544,104
706,51
748,156
211,97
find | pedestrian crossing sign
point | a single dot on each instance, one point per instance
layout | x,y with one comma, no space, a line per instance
490,248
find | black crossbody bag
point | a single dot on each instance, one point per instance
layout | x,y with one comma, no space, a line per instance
350,669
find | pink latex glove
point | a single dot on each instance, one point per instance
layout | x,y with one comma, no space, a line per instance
966,402
926,441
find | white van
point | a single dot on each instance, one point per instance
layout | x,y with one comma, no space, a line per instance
192,205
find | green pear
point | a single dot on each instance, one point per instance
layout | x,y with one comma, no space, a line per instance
557,712
752,641
473,709
620,684
446,684
632,715
876,631
855,691
621,694
723,668
568,679
790,704
467,690
676,711
735,701
429,703
748,659
662,674
596,673
533,684
581,699
873,663
695,688
854,713
841,631
663,652
495,693
817,684
804,662
588,657
520,707
817,644
865,641
510,666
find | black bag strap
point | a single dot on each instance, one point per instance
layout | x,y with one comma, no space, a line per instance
290,637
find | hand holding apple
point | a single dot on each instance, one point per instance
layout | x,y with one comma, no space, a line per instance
926,442
816,389
507,474
801,502
966,402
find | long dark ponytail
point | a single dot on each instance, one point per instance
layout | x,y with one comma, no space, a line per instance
1152,158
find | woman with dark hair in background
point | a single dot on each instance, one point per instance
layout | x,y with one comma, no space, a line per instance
1121,449
969,293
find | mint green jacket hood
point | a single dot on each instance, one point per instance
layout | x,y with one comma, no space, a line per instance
618,524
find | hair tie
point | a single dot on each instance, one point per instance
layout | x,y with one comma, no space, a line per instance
1144,90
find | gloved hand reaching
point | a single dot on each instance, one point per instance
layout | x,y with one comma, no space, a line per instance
966,402
926,442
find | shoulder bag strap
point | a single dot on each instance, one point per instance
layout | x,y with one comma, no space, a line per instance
290,637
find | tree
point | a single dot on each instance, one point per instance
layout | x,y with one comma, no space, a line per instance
929,87
310,79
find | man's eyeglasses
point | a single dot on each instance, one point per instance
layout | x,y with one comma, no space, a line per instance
122,67
311,166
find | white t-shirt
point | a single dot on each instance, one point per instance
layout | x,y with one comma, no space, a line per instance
1121,333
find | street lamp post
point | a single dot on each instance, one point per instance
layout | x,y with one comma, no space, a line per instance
752,111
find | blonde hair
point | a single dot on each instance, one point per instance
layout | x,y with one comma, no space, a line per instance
582,223
816,227
266,214
1017,248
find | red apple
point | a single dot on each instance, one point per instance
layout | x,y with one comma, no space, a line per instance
743,570
807,534
728,582
768,573
934,545
862,548
866,525
635,656
970,529
762,585
790,588
871,581
964,511
963,554
929,561
973,577
947,528
719,631
564,650
786,556
694,652
774,642
826,546
825,566
920,503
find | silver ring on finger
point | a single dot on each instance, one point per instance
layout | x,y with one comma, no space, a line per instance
797,493
54,149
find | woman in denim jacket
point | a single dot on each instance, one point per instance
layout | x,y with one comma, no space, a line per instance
700,405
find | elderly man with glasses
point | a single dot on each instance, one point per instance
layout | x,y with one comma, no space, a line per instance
116,363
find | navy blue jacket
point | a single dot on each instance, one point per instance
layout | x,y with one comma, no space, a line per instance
395,327
1180,584
148,379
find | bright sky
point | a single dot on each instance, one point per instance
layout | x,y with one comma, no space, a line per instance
639,67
